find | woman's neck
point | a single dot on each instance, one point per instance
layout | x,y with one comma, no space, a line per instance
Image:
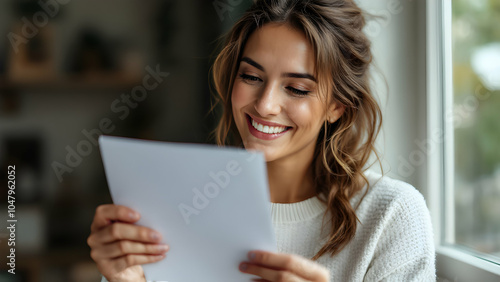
290,181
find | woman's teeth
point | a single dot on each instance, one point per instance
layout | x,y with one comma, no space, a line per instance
267,129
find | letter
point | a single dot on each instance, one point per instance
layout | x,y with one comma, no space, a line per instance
28,25
221,8
157,75
394,6
417,158
458,116
51,7
146,84
12,226
480,96
142,96
187,211
196,200
16,40
372,28
12,253
80,148
405,169
233,168
453,118
93,135
11,243
251,157
386,17
425,146
77,159
468,107
116,109
12,271
104,125
215,189
217,178
60,169
126,100
45,19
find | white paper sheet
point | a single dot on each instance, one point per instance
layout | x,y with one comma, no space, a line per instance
211,204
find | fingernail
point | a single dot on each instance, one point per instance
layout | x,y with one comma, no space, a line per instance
132,215
155,235
251,255
243,266
163,247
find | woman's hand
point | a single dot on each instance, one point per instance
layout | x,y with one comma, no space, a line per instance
119,247
283,267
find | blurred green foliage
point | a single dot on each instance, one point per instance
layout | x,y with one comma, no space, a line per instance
475,24
476,116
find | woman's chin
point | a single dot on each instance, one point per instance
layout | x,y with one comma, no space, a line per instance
269,153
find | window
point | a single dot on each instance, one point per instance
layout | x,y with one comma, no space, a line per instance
463,122
476,125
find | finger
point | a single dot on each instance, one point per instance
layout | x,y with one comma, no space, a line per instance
121,248
127,261
298,265
123,231
268,274
106,214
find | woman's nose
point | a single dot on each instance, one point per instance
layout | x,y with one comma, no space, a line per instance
269,101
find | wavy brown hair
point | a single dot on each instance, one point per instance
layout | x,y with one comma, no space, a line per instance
343,56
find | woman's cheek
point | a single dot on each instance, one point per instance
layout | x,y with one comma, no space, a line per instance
300,112
240,95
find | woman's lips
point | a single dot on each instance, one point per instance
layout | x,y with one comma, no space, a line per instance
268,123
266,130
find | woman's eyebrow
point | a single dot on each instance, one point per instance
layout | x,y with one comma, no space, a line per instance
300,75
253,63
287,74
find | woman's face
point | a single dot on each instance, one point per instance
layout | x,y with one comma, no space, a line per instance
275,100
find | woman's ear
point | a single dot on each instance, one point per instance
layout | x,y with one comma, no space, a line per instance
335,111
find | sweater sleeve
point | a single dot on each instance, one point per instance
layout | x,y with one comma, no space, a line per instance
419,269
405,249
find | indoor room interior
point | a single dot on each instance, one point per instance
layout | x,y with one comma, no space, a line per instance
68,68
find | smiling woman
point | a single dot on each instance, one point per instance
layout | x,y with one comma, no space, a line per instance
293,82
275,88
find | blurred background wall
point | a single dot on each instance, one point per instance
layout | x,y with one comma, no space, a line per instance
67,68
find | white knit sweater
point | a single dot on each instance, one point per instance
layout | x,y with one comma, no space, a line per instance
393,241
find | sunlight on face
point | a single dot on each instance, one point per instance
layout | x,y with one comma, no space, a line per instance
275,99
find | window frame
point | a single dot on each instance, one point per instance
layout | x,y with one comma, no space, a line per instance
452,262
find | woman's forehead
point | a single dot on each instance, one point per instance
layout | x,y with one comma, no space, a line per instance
279,46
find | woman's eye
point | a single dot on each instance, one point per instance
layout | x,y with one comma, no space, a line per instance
250,78
297,91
